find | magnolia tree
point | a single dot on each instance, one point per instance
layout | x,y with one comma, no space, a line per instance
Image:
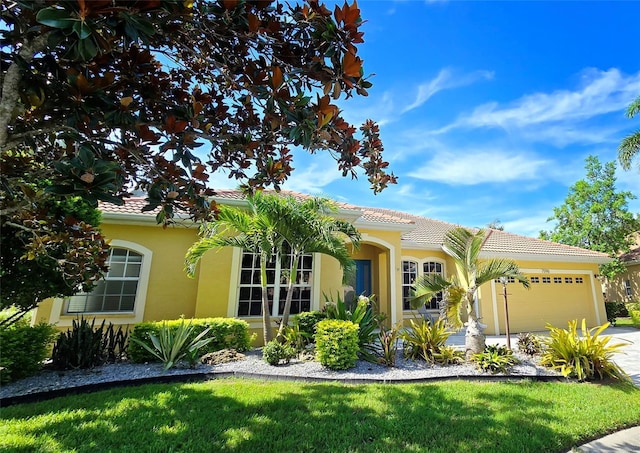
103,97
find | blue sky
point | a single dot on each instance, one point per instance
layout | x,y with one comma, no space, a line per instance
489,109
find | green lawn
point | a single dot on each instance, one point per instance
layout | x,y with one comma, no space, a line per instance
625,322
258,416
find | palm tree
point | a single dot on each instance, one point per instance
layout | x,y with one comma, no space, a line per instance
460,291
252,230
306,227
630,145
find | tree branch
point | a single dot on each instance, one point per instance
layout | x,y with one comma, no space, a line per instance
11,82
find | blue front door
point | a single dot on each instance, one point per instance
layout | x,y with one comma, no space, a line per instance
363,277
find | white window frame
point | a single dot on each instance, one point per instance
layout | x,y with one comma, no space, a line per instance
421,262
61,318
627,288
279,286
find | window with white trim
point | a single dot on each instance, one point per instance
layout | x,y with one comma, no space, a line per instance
557,279
411,271
568,280
627,288
409,276
579,280
250,291
117,292
535,279
546,279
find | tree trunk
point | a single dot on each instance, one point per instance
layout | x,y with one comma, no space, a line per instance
293,271
474,339
266,317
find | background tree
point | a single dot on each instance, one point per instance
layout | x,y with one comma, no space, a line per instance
630,145
596,216
102,97
460,290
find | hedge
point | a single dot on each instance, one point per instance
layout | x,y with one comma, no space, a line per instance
23,349
228,333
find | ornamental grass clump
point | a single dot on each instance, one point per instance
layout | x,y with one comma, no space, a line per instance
529,344
425,339
86,346
585,356
337,344
173,344
495,359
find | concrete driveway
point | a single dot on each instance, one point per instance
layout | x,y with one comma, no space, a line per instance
630,359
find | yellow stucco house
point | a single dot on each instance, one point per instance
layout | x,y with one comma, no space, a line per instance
626,287
147,282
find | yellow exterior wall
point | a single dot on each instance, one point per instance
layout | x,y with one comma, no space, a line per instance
214,280
170,294
616,290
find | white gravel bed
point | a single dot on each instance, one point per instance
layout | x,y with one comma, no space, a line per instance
253,364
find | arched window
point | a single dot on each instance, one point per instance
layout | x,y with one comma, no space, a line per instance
118,291
413,270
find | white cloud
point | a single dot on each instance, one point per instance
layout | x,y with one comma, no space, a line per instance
601,92
443,81
312,172
529,225
473,167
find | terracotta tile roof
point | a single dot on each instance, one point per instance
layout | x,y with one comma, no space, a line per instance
132,205
631,255
426,232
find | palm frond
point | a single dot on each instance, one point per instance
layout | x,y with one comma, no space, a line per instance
425,288
628,149
464,247
498,267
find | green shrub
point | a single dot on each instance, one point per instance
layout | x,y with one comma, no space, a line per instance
632,306
337,344
615,310
86,346
23,348
448,355
307,322
275,353
635,317
529,343
227,333
363,316
424,339
495,359
294,337
175,343
584,356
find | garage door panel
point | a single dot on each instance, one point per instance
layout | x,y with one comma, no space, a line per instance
553,298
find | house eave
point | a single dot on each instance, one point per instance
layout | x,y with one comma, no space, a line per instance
141,219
